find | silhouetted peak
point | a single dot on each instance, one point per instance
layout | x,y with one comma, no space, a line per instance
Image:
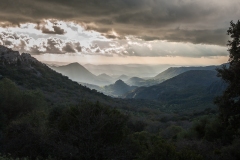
9,56
119,82
4,49
74,64
7,52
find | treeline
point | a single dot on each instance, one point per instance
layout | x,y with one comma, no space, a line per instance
31,129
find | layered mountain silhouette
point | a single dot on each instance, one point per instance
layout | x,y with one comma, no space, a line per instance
118,89
78,73
29,73
174,71
191,89
195,87
105,77
136,81
131,70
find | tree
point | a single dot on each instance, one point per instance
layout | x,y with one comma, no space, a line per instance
86,131
229,102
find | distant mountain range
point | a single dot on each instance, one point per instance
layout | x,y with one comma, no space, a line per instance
178,82
174,71
29,73
187,89
131,70
117,89
78,73
136,81
106,78
191,88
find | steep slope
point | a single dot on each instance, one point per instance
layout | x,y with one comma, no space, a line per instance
174,71
29,73
196,87
78,73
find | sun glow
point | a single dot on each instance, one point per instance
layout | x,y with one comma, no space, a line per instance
65,41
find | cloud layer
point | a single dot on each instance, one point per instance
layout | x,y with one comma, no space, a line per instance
24,43
194,21
126,47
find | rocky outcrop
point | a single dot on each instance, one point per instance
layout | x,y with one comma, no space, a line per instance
10,57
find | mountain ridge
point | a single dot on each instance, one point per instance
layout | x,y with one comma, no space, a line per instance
79,73
118,89
174,71
193,87
29,73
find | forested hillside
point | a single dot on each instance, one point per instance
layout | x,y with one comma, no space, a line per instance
174,71
44,115
28,73
191,89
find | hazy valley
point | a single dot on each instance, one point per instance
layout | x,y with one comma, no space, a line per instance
128,112
119,80
185,85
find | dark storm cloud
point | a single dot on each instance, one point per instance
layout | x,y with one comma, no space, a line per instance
50,27
72,47
58,46
56,30
217,36
197,21
173,49
123,47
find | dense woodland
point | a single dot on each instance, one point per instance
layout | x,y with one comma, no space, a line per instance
44,115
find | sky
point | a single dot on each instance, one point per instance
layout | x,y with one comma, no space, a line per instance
179,32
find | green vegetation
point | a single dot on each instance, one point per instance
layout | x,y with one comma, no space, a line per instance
44,115
229,102
84,131
34,130
195,89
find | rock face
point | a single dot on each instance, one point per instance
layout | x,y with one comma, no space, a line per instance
10,57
